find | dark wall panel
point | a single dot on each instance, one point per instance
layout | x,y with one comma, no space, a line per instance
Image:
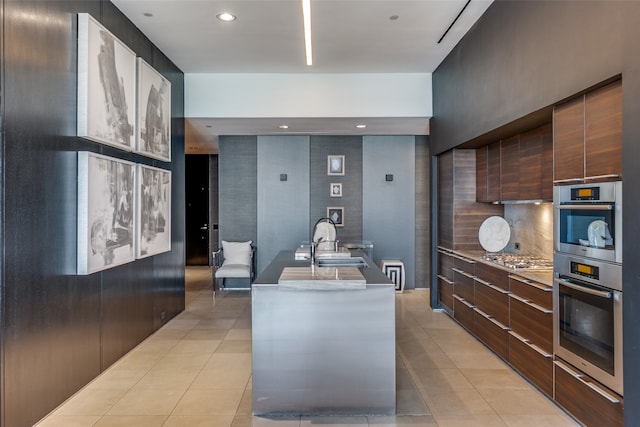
351,200
523,56
238,188
60,330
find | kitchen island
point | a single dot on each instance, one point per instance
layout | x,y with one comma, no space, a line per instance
325,347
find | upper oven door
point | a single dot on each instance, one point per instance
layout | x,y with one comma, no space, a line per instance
588,220
587,230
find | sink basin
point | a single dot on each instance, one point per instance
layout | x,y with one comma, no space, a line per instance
355,261
319,278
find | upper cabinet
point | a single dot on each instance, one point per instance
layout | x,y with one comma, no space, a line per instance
517,168
587,137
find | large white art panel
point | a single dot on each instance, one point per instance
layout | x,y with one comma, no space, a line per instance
106,86
153,135
106,222
153,211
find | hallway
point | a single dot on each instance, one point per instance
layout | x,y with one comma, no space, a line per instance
196,371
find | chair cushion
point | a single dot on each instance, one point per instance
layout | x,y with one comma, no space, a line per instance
233,270
236,252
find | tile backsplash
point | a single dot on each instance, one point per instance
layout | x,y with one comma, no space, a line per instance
531,227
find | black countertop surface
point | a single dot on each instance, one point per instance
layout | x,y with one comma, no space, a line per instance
270,275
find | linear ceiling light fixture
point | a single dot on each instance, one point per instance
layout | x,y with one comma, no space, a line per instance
454,21
306,16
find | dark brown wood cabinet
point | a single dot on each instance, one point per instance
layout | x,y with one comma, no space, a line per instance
587,137
494,181
586,399
510,168
459,215
516,168
603,132
531,335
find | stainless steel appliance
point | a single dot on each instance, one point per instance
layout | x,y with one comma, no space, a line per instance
587,317
588,220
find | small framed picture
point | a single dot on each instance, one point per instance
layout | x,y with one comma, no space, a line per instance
336,214
335,165
335,189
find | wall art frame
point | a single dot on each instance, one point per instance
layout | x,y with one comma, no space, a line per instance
106,86
153,118
153,211
335,189
106,220
335,165
336,214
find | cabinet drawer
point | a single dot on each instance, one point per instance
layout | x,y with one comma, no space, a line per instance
587,400
463,312
493,333
532,322
492,300
535,292
445,292
445,264
463,284
532,362
464,264
493,275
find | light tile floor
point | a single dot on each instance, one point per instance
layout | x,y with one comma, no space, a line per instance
196,371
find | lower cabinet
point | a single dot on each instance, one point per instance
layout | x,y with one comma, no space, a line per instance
587,400
494,334
445,292
463,312
532,362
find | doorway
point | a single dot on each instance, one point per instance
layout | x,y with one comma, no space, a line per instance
197,221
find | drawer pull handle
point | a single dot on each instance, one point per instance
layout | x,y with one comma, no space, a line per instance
540,351
530,283
534,347
494,287
589,384
530,304
464,273
518,337
445,279
608,176
467,260
462,300
558,181
491,319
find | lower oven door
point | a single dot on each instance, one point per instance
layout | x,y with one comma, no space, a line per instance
588,329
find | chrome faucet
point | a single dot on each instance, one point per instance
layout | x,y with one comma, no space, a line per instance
312,248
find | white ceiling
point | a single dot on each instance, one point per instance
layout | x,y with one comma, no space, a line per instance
349,36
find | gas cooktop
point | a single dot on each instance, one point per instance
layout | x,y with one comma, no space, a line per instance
517,262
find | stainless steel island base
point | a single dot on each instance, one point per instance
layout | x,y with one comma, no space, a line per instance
324,351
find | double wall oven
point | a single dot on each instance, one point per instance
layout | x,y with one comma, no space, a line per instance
587,291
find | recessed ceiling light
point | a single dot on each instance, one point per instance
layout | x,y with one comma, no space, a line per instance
306,21
283,126
394,17
361,126
208,126
226,17
148,14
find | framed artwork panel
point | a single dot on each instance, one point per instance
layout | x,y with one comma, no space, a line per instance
153,125
335,165
106,86
335,189
106,220
336,214
153,211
